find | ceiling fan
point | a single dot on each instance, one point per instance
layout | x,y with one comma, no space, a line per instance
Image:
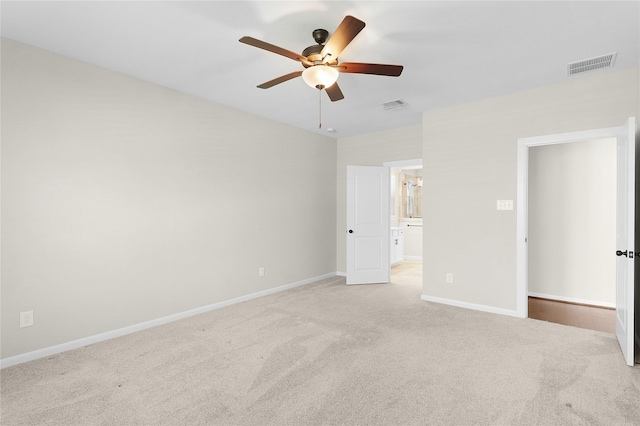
321,61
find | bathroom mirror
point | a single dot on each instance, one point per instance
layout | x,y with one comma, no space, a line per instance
411,190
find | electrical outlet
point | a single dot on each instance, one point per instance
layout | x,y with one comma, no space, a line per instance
261,271
449,278
26,319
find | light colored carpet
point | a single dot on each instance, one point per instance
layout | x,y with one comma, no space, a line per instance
327,353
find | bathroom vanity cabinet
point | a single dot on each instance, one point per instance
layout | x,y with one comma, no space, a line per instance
396,246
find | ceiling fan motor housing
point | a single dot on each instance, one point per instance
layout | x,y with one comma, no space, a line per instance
320,35
314,53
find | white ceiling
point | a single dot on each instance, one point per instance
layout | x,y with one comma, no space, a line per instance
453,52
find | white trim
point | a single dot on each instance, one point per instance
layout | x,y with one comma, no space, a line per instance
522,201
341,274
403,163
63,347
412,257
574,300
473,306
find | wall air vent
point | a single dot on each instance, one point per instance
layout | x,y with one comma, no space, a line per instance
591,64
393,104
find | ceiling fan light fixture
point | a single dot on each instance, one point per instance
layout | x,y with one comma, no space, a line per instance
320,76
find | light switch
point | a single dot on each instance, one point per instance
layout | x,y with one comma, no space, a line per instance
505,205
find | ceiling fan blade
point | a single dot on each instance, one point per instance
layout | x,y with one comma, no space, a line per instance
376,69
334,92
280,79
341,37
275,49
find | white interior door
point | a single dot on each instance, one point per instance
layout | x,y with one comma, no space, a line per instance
625,228
367,225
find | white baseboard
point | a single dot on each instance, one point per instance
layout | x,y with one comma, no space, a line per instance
63,347
412,257
341,274
473,306
573,300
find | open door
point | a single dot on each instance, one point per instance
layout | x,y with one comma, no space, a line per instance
367,225
625,223
625,228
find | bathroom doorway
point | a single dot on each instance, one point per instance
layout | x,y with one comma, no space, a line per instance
406,222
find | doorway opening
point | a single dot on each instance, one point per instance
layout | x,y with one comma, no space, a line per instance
406,217
625,223
571,235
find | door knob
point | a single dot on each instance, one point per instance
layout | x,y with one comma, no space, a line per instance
630,254
351,231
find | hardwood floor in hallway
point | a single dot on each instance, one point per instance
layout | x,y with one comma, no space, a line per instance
583,316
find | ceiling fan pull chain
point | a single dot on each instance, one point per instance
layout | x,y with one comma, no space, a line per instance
319,108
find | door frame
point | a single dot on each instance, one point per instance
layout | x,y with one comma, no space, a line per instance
403,164
522,202
406,164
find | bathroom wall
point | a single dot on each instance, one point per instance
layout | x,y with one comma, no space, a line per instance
412,240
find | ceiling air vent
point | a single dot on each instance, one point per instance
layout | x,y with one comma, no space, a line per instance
393,104
591,64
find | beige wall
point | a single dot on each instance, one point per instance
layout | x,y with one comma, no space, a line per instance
470,162
123,201
572,221
369,150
